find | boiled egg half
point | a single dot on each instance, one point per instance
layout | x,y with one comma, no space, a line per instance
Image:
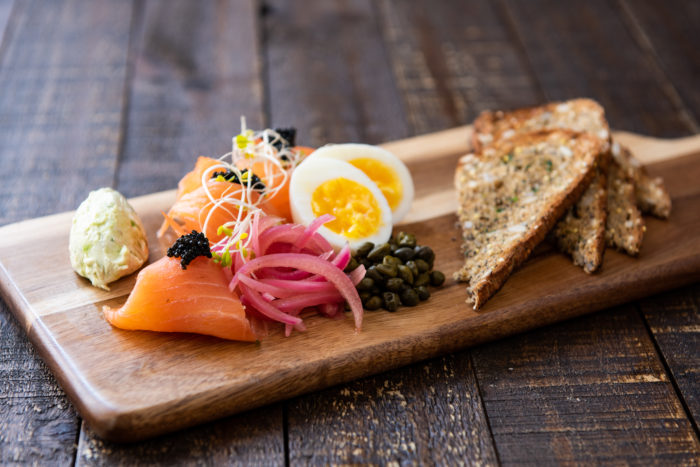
382,167
322,185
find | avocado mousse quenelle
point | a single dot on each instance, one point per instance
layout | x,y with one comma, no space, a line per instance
107,240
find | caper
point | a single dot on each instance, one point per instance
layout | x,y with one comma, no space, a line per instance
406,239
426,254
388,259
394,284
391,301
364,296
364,249
379,252
376,290
413,267
422,266
422,279
437,278
374,275
394,247
365,284
405,273
405,253
373,303
409,297
388,270
352,265
365,262
423,292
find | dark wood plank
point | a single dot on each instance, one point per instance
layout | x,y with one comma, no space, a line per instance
589,51
328,74
550,399
62,74
5,11
668,31
196,70
428,413
62,77
37,422
251,438
674,320
452,60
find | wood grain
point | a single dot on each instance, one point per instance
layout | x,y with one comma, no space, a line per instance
422,414
674,320
250,438
62,75
450,66
550,400
142,393
188,94
327,73
671,40
588,51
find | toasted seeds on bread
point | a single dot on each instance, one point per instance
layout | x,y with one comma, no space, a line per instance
581,231
650,193
511,194
625,225
584,115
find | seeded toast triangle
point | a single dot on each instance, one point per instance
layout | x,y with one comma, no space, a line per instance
581,231
511,194
625,225
650,194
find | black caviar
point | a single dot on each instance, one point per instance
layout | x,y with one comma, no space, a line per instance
231,176
188,247
288,137
399,272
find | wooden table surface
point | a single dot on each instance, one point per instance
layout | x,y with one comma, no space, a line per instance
126,94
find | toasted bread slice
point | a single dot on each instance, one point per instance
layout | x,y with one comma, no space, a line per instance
650,193
511,194
625,225
581,232
584,115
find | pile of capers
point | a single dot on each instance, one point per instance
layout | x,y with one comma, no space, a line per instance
398,273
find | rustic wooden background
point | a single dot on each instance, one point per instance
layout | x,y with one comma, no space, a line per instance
127,93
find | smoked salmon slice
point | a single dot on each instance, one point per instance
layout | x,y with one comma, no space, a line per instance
168,298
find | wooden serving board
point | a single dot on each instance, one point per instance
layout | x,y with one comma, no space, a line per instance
133,385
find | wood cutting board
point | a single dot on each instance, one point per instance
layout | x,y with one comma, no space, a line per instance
134,385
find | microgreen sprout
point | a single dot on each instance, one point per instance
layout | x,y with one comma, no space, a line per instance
270,155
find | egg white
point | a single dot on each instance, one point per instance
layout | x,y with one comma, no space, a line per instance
350,151
311,173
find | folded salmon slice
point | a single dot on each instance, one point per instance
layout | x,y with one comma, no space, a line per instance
167,298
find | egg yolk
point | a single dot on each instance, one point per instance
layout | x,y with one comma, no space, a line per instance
354,207
385,178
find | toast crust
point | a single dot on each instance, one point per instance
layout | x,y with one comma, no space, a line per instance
625,225
581,115
581,231
562,164
650,193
